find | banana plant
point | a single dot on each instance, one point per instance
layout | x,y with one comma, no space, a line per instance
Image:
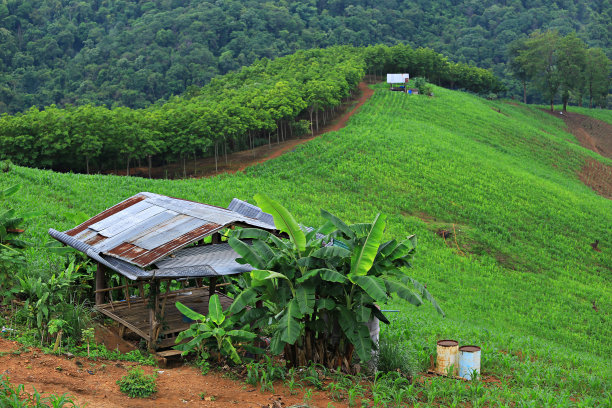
214,334
319,287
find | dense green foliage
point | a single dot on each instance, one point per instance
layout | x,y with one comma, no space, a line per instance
523,283
562,65
235,112
132,53
137,384
319,289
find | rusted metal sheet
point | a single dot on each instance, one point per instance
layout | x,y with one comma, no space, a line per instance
153,241
131,221
104,214
165,249
148,227
120,216
120,249
143,228
95,239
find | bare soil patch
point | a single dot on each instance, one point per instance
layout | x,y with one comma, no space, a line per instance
238,161
598,176
94,383
594,134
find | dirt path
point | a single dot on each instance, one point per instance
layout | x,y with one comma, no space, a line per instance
239,161
93,383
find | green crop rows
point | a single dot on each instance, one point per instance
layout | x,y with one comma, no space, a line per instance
518,277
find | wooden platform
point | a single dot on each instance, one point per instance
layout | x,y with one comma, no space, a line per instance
136,315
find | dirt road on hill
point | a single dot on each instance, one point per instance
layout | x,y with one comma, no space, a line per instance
238,161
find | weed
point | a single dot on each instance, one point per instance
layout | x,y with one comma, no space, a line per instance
307,396
17,397
137,384
291,381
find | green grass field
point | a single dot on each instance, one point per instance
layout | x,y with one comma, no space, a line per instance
519,278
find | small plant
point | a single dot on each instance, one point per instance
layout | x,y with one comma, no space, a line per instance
291,381
87,337
264,373
137,384
17,397
213,334
307,396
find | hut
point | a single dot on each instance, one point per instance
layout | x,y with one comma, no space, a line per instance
163,249
398,82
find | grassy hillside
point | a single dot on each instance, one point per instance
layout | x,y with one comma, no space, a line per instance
519,278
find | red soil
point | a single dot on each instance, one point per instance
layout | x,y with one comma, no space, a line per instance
93,383
595,135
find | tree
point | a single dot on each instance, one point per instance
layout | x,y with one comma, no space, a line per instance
597,76
516,65
572,65
540,60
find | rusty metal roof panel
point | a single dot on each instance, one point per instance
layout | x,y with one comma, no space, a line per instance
148,227
167,248
105,214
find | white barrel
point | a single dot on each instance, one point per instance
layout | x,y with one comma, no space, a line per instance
469,362
447,357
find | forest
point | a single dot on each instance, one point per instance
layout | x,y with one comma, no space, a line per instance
135,53
269,100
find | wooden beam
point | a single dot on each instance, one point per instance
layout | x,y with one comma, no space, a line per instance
212,286
124,322
100,283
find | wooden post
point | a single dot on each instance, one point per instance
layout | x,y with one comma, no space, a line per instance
212,286
216,238
100,283
153,323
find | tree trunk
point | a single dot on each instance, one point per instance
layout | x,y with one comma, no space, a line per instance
311,128
317,116
87,163
216,150
524,92
128,166
149,159
195,163
184,166
552,105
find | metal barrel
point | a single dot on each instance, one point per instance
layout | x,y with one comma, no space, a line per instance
447,357
469,361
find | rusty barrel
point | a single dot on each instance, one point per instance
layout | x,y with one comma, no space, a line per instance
469,362
447,357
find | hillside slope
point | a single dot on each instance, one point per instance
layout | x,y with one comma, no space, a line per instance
518,276
132,53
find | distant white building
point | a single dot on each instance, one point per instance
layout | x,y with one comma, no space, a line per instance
397,78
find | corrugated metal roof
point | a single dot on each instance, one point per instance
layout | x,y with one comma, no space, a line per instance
147,227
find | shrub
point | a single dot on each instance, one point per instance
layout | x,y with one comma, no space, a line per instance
395,355
137,384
